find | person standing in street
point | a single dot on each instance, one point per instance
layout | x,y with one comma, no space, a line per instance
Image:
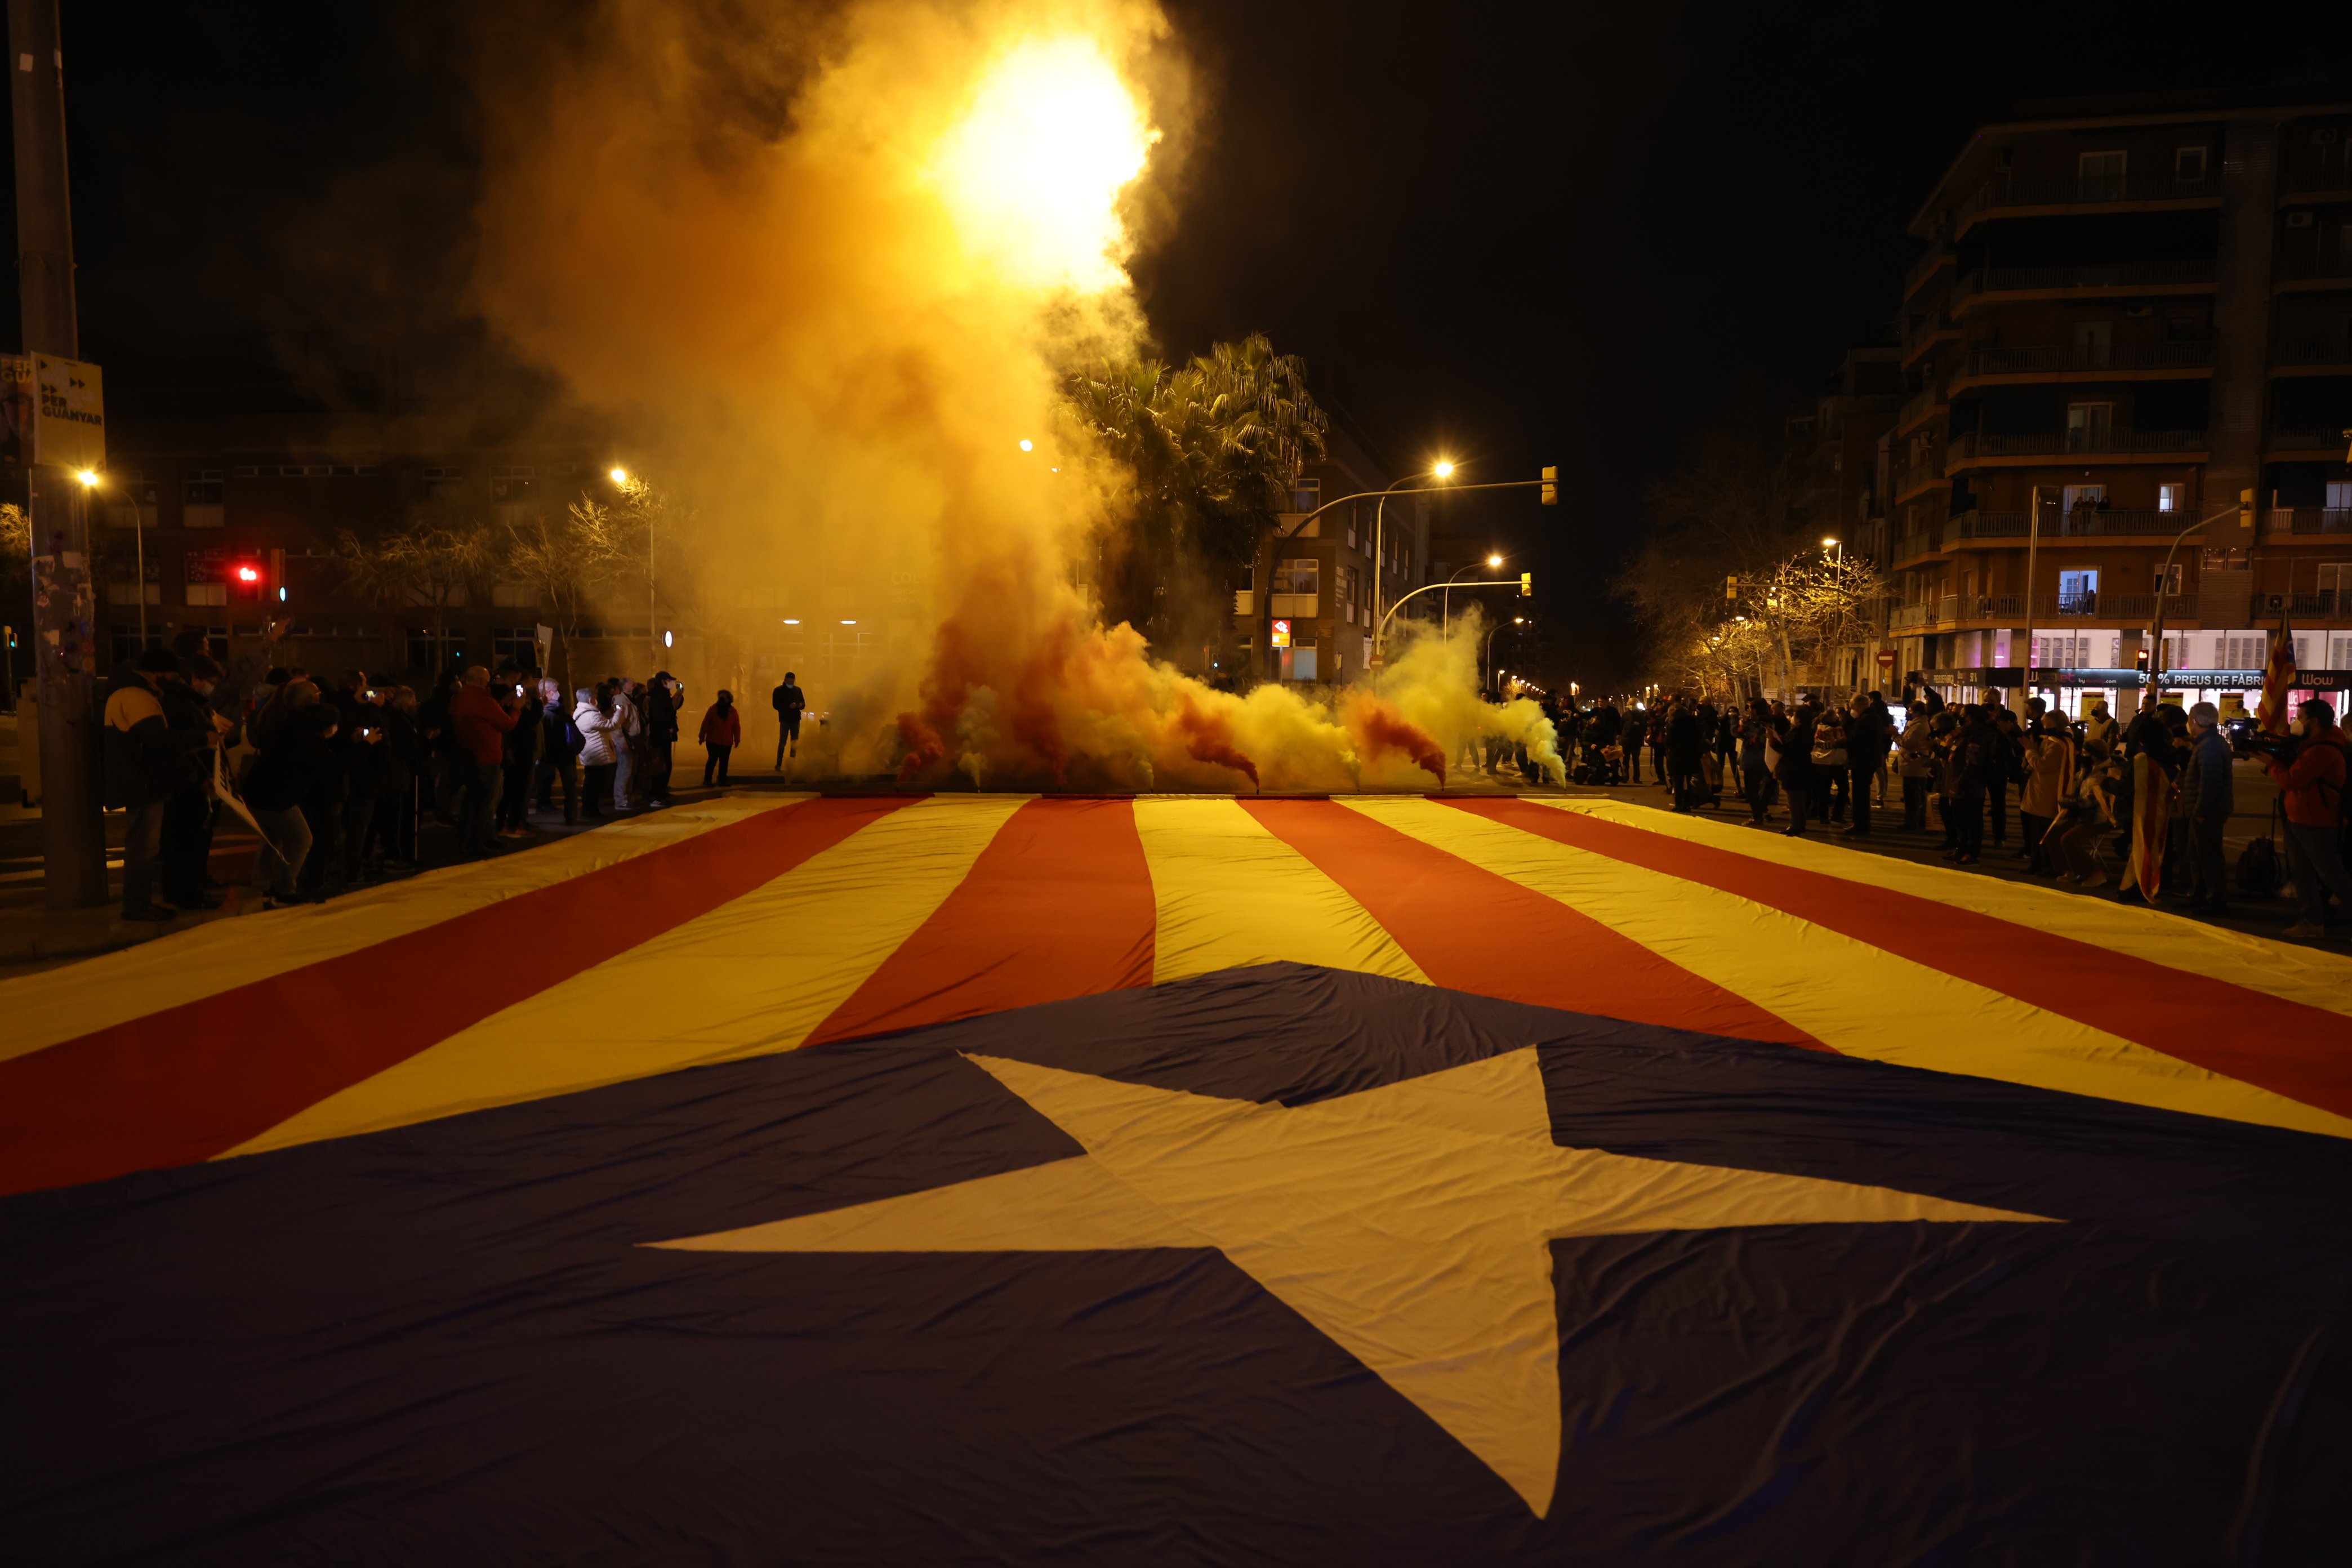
661,735
2208,796
592,715
1964,785
1797,767
788,704
145,762
1756,777
721,733
1865,753
480,724
559,745
2312,788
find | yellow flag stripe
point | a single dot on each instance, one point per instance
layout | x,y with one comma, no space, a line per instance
41,1010
1858,999
752,976
2295,974
1230,893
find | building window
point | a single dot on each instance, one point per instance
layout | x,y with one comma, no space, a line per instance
2090,427
200,501
2171,498
520,644
1299,575
423,653
2099,176
2168,582
2188,165
2078,592
1306,495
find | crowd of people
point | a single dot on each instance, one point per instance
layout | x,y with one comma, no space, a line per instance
2064,788
339,776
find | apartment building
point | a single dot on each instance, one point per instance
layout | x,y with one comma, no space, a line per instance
2127,314
1323,591
1835,442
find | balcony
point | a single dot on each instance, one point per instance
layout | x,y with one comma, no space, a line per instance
2061,359
2057,523
1932,328
1923,475
1912,546
2090,192
1911,617
2187,275
2308,520
2314,441
2111,609
1923,269
2298,271
2330,355
1970,447
1929,400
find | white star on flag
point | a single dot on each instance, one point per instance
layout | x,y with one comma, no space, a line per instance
1409,1223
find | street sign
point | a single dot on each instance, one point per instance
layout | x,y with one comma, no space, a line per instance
1281,633
69,424
1887,659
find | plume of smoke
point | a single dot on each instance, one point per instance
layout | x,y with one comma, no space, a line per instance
784,248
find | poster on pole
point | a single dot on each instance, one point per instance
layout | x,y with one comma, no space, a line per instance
70,423
17,405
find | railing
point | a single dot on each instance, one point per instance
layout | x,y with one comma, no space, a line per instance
1923,269
2058,523
1919,474
1936,320
2105,275
1970,444
2052,358
2314,351
2327,602
2308,441
2127,609
2087,190
2299,266
1920,404
1910,615
1948,609
1912,545
2308,520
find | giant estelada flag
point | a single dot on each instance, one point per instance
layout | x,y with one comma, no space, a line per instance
1181,1180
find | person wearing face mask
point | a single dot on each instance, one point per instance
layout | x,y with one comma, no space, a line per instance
2312,787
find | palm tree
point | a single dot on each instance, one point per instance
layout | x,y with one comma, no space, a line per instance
1215,448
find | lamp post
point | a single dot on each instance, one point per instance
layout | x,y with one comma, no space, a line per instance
1445,601
1264,615
1441,471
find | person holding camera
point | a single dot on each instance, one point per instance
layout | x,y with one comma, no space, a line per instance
2310,777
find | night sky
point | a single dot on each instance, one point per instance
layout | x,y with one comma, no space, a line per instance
1565,234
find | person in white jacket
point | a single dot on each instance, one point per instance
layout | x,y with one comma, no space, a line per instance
599,754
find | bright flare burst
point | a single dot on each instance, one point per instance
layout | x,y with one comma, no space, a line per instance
1034,171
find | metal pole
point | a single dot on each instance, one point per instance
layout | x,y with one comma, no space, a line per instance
138,544
65,642
2033,545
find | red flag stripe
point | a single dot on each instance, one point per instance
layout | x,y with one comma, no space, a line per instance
1058,905
192,1081
1471,929
2287,1047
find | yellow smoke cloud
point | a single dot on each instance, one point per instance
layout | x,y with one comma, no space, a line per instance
839,273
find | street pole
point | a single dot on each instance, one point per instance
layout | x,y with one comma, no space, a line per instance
65,643
2032,547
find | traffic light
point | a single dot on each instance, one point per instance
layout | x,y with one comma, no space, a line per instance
1731,587
2246,508
1551,486
246,578
1527,585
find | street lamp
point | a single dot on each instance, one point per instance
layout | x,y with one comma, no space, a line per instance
1441,471
1830,544
620,476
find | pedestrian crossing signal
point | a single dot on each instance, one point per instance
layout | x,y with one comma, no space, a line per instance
2246,508
1551,486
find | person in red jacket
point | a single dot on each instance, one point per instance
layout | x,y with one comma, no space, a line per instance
722,731
2313,789
480,724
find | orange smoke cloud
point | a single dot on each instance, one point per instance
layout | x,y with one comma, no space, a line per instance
1380,730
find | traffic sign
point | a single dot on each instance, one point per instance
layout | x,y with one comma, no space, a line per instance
1887,659
1282,633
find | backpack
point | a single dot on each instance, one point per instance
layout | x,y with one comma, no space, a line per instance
574,739
2258,868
